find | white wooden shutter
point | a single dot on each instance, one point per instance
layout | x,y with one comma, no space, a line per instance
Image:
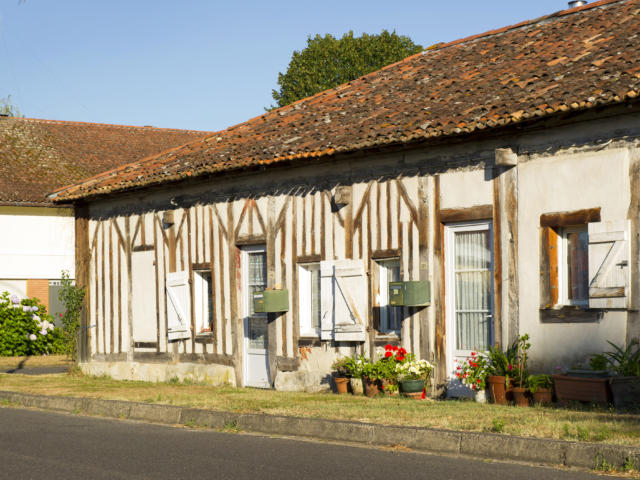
178,306
344,293
608,264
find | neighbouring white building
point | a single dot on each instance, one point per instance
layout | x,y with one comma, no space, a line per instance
37,239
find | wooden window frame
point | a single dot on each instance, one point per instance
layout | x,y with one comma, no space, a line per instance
305,301
203,302
383,295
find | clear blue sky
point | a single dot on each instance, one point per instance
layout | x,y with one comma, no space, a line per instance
198,64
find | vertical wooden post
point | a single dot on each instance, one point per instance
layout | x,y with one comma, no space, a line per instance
438,303
633,315
497,259
348,227
423,258
83,259
271,280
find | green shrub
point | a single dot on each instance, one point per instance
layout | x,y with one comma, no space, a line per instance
26,328
73,297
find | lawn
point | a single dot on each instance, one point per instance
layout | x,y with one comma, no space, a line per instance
33,361
580,423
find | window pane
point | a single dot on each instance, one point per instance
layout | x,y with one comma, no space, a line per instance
391,317
577,265
257,275
206,276
315,297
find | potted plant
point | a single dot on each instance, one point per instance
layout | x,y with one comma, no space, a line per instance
502,364
341,374
625,386
520,391
371,379
393,355
540,387
413,375
473,372
584,385
355,367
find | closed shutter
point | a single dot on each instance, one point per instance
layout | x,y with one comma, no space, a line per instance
178,306
344,292
608,264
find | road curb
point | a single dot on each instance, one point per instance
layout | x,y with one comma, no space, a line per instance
469,444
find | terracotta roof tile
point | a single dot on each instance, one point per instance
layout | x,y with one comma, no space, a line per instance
38,156
566,61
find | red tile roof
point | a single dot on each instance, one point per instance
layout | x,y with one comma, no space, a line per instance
39,156
568,61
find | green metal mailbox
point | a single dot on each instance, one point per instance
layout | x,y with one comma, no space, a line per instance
410,294
271,301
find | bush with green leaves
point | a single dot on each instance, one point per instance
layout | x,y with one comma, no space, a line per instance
72,297
26,328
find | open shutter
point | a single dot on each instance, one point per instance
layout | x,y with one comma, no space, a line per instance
178,306
608,264
344,292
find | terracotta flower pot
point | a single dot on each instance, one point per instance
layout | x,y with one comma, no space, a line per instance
498,389
341,384
371,387
543,396
521,396
583,389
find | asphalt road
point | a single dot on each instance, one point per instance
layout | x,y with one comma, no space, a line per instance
44,445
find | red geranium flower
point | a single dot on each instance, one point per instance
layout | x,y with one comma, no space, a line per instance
388,347
388,354
402,351
400,358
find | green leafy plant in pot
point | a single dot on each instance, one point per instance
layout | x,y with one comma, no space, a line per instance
540,387
341,374
520,391
625,362
355,368
502,370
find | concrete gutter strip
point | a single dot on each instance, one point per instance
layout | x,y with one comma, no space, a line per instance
470,444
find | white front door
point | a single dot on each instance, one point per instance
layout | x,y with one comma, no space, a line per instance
256,339
469,290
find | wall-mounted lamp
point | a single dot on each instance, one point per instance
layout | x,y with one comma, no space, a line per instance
167,220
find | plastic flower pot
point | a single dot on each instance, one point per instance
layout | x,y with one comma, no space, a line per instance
371,387
625,391
480,396
521,397
543,396
357,388
342,384
411,386
498,389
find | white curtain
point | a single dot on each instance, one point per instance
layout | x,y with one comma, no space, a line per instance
473,290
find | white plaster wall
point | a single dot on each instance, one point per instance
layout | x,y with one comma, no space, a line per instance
465,189
210,374
36,242
14,287
559,183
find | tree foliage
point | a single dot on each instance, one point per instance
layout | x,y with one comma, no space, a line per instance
327,62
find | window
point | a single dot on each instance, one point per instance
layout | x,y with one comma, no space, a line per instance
256,276
573,266
203,301
309,299
390,317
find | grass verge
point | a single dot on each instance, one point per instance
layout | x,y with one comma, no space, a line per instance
7,363
578,424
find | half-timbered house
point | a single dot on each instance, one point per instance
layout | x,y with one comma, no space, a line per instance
501,170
